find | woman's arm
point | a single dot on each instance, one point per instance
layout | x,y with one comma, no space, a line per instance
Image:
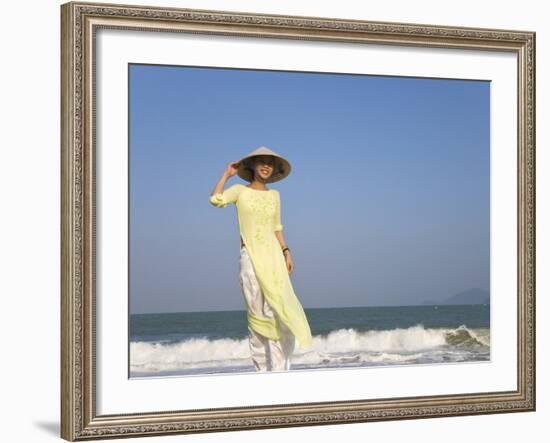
221,198
280,236
230,170
288,256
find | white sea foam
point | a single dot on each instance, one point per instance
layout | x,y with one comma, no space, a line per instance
341,347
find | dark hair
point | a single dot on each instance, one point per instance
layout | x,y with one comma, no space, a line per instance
249,164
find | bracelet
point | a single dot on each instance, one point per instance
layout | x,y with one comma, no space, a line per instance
286,249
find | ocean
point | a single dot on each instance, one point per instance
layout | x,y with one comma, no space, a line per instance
192,343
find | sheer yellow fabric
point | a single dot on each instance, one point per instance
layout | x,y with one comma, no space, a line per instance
259,216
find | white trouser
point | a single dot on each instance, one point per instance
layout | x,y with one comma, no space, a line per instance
267,354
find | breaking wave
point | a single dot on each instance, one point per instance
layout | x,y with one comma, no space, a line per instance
342,347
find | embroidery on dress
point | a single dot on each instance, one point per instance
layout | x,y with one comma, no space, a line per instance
264,208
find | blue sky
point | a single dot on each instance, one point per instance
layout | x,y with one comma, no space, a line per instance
387,202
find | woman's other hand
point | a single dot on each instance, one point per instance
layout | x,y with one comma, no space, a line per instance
289,262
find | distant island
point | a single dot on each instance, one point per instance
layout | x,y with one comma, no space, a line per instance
474,296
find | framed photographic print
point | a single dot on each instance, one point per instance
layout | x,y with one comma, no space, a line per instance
274,220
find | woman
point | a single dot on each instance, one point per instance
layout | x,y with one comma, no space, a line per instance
276,319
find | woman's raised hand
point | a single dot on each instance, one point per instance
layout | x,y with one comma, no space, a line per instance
232,169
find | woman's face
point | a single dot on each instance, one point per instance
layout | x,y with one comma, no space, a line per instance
264,166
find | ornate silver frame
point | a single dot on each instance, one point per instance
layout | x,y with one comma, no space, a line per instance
79,22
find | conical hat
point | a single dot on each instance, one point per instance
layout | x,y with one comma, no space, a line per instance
280,171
